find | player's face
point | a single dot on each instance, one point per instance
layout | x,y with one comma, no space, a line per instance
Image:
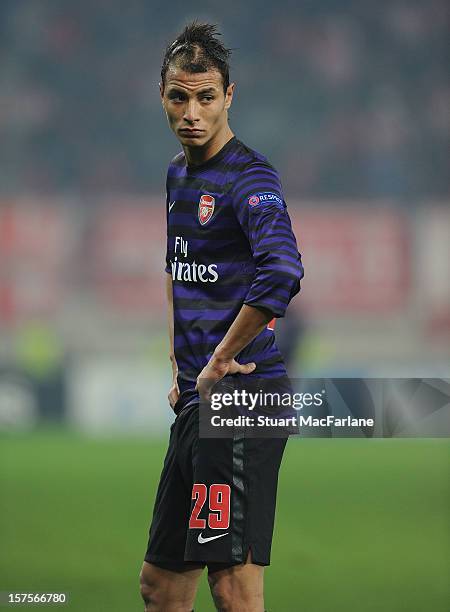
195,105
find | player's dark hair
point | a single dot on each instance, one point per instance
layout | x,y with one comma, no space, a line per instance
197,49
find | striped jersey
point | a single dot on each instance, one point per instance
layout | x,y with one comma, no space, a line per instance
229,243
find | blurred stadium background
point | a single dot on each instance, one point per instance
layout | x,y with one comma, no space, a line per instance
349,100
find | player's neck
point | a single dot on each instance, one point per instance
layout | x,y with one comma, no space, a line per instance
195,156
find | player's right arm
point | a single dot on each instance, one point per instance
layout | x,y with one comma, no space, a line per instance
174,391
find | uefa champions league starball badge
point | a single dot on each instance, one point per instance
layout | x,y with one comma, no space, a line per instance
205,209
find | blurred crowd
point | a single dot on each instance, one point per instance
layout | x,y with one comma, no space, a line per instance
347,98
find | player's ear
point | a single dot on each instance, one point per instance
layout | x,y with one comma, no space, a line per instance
161,91
229,96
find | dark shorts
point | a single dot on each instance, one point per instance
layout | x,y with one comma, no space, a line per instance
216,497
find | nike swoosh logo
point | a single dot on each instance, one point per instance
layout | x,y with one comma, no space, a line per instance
171,205
202,540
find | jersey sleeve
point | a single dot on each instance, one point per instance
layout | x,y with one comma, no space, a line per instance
259,205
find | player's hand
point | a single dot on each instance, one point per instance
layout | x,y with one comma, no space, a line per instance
215,370
174,393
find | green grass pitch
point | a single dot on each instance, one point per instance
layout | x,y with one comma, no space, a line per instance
361,524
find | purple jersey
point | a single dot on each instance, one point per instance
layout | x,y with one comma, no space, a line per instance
229,243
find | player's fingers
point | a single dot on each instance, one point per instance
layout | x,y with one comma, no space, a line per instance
246,368
204,393
204,387
173,396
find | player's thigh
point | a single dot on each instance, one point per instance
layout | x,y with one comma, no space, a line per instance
167,537
172,585
237,585
236,485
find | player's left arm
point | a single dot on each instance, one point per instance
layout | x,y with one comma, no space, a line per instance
261,211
